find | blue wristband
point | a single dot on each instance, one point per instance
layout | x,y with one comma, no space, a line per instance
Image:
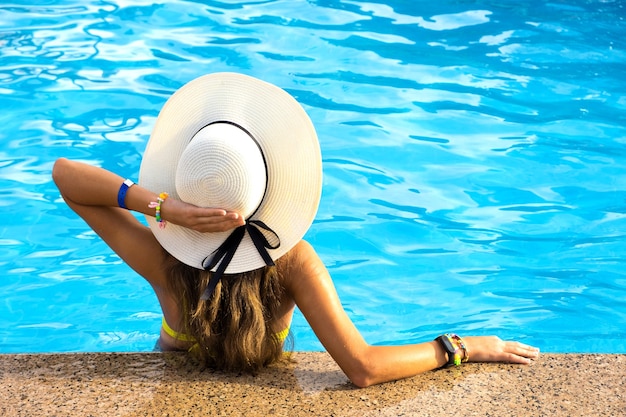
121,194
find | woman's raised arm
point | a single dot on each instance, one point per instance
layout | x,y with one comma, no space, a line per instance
92,193
313,291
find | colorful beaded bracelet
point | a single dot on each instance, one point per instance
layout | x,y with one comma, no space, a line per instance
455,348
156,205
461,345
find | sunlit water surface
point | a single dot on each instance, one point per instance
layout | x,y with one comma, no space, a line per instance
474,159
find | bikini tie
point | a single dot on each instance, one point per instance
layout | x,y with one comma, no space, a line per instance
225,252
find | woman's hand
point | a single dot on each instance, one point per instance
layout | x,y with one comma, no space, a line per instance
493,349
198,218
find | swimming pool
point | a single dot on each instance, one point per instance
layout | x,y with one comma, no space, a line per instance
474,159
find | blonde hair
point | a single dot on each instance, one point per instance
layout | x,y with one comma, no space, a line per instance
234,328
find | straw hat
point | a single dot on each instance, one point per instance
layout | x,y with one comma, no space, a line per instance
234,142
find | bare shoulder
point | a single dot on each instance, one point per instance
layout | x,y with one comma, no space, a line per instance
297,259
301,264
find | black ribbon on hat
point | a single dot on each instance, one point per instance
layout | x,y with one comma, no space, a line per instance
225,252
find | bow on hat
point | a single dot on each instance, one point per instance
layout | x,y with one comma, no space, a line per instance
225,252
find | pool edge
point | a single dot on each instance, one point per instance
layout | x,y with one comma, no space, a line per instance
164,384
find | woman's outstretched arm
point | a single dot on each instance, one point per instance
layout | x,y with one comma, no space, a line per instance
313,291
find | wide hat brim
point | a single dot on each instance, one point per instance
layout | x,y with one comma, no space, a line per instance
287,140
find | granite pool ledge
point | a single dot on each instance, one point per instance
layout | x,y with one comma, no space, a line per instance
165,384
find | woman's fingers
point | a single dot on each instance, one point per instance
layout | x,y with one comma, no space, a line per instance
521,353
209,216
200,219
493,349
216,220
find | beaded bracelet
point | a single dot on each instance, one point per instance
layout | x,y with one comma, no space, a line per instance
156,205
462,345
453,345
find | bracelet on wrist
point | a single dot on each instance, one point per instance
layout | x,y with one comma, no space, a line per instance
156,205
121,194
454,346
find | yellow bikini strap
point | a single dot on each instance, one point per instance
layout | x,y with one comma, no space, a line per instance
178,336
282,335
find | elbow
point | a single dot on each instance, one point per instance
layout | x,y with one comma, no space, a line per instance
362,374
361,381
59,172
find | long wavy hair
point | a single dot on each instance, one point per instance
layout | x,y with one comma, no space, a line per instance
234,329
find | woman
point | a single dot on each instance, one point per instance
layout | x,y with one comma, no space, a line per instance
230,183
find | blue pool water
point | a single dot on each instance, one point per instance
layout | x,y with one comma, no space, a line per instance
474,158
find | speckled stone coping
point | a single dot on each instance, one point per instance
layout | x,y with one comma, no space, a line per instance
165,384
